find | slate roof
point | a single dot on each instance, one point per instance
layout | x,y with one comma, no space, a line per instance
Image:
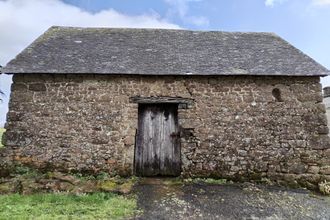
162,52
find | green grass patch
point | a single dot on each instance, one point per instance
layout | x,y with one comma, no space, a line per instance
64,206
2,130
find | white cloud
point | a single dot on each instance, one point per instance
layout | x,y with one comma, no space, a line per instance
321,2
271,3
22,21
180,8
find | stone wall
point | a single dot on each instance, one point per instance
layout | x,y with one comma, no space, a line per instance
326,101
237,127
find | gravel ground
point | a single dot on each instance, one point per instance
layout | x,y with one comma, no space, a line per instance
161,199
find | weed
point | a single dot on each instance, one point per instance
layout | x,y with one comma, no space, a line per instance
26,171
102,176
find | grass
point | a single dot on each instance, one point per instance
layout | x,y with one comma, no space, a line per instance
1,132
64,206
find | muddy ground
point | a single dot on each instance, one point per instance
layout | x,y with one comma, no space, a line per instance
159,199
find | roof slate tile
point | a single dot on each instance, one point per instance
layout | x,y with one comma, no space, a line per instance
62,50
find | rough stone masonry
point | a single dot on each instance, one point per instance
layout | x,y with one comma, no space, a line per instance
252,103
326,101
236,127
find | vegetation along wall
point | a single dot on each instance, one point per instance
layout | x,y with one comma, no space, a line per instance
237,127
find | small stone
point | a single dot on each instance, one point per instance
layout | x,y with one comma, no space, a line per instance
64,177
129,140
234,168
242,153
37,87
323,129
313,169
324,188
327,153
325,170
297,168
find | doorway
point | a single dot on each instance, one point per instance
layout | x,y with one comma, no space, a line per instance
157,147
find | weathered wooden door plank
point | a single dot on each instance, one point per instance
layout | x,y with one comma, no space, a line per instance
157,147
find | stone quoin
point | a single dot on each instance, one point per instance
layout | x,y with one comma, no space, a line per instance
326,100
168,102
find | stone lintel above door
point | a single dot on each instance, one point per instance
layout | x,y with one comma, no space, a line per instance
183,103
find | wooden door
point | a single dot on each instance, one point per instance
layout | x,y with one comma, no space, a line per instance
157,150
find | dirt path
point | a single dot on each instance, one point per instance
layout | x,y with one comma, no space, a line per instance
162,199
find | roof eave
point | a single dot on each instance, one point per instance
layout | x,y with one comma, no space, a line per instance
10,71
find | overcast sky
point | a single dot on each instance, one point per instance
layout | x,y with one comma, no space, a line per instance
304,23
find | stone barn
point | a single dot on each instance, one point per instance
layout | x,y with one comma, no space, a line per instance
152,102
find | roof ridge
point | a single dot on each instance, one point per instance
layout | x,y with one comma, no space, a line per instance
161,29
